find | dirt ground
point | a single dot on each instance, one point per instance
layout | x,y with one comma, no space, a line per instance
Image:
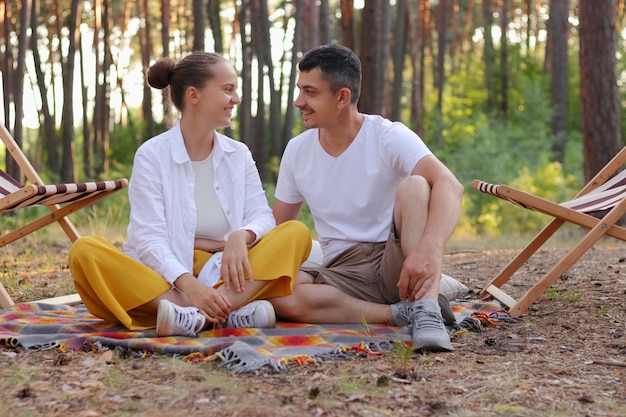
565,358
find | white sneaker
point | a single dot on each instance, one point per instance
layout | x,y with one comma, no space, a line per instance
174,320
259,314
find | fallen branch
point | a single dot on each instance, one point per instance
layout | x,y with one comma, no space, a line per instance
609,363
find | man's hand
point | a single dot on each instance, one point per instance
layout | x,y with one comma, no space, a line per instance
420,273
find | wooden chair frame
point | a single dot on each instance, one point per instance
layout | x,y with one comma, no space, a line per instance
58,213
569,212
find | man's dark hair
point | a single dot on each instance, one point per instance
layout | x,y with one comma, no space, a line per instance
339,65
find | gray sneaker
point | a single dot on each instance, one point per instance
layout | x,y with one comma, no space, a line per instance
257,314
447,313
401,312
174,320
427,328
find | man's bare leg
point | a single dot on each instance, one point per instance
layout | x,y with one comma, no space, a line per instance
323,303
411,210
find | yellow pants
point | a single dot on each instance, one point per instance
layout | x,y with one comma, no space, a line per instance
112,284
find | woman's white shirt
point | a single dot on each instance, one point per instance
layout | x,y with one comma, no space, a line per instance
163,214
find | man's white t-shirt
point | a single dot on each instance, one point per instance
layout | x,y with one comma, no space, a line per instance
351,196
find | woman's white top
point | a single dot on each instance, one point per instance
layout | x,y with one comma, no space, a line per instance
163,213
212,222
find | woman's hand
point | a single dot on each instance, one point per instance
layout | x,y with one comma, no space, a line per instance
208,300
235,267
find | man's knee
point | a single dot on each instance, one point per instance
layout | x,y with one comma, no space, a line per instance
412,194
413,186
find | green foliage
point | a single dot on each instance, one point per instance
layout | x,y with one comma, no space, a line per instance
126,139
499,217
514,151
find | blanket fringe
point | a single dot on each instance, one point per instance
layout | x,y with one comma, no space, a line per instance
242,358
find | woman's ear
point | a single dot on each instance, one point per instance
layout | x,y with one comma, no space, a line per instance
192,95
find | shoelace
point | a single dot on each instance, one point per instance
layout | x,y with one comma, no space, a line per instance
186,320
241,318
403,312
426,319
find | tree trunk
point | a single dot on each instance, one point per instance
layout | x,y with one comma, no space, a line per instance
145,43
416,42
456,35
245,115
168,117
399,48
87,143
275,96
504,60
488,57
440,78
260,44
198,25
559,30
18,82
67,118
598,84
49,138
374,56
347,23
466,40
324,35
311,29
213,10
101,142
99,96
293,74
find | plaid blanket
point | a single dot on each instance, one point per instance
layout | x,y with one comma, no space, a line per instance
39,326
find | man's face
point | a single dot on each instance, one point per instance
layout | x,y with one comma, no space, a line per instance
316,101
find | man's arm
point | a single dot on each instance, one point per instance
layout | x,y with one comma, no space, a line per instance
284,211
423,265
444,209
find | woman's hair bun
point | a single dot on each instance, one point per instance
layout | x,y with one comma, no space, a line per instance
160,73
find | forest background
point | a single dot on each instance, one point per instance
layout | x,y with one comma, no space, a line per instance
525,92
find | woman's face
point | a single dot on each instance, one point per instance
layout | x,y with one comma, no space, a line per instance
219,97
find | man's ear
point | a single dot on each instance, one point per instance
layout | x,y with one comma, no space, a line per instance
344,96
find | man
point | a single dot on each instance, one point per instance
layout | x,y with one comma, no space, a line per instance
383,205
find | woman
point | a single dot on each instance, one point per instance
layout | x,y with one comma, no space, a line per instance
203,246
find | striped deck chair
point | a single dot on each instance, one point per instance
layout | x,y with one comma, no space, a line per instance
597,207
60,199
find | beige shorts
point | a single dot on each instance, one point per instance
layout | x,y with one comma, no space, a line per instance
368,271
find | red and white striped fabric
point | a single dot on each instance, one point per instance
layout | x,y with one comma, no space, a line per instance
604,197
49,194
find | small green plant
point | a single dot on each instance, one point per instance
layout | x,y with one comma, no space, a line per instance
573,296
404,351
601,310
366,327
552,293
